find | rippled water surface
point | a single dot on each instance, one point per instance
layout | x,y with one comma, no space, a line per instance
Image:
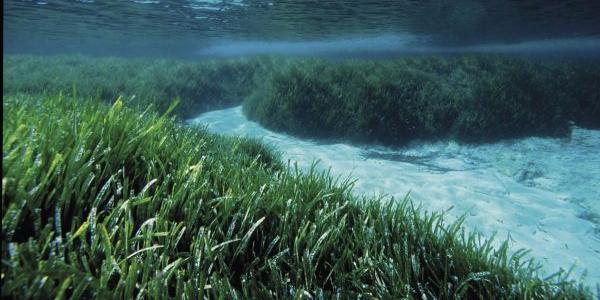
166,27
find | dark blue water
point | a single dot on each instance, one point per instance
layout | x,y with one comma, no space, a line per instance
196,28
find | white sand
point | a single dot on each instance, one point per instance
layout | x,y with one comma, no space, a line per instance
535,191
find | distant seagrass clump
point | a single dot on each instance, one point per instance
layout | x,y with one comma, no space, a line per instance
200,86
467,98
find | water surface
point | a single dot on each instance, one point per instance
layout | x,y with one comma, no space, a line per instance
182,28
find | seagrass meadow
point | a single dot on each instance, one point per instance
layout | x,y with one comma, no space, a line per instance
201,86
107,194
468,98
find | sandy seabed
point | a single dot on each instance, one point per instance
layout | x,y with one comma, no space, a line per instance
540,193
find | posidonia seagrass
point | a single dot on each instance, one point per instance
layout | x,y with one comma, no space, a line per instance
111,202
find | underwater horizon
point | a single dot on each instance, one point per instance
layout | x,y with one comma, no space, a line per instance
301,149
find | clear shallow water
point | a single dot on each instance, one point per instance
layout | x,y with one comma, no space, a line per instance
540,193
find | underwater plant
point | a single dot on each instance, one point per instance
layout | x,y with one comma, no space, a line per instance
106,201
200,85
471,99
